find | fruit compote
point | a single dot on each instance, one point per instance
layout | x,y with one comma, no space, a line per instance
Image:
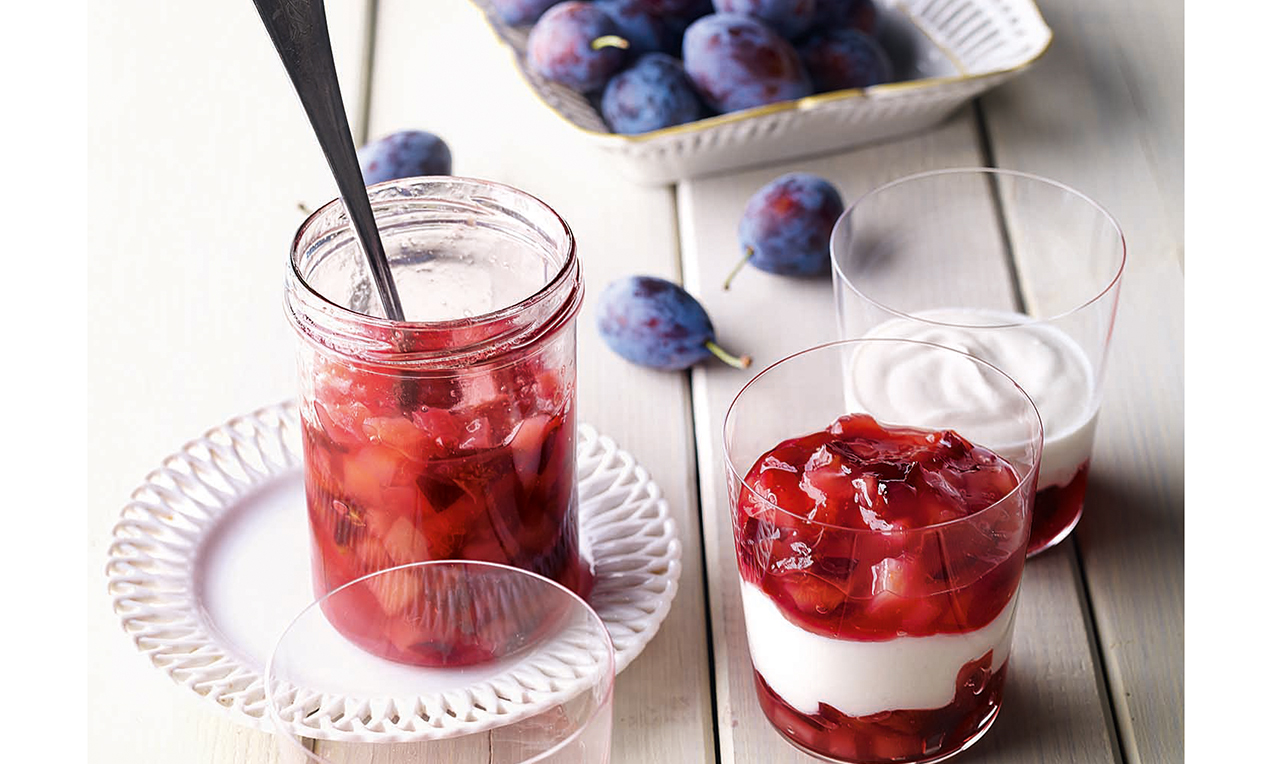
879,570
473,465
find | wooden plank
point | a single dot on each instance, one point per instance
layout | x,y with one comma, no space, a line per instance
198,155
770,317
1103,112
462,85
1105,108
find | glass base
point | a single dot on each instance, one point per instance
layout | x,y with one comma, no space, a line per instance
1057,510
939,757
893,737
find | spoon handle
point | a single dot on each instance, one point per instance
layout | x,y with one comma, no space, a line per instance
299,31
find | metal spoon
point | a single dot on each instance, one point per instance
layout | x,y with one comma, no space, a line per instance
299,31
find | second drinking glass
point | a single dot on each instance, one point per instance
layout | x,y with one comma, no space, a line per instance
880,562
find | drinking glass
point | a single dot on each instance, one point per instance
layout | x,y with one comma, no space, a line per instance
882,639
450,435
522,671
1016,269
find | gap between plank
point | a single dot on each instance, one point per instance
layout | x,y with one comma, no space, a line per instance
1000,215
1093,637
363,126
687,376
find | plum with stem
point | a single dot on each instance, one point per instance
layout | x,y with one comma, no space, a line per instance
653,322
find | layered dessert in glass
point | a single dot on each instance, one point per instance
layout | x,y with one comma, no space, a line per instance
880,563
450,435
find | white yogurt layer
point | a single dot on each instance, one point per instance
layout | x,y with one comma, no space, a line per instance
861,678
923,389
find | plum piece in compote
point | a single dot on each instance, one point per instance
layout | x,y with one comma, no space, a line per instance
879,569
474,464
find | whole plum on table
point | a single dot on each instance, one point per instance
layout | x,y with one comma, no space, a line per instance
844,59
785,227
653,322
654,93
577,45
736,63
789,18
644,30
404,154
518,12
846,14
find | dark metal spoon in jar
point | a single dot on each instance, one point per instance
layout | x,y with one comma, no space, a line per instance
299,31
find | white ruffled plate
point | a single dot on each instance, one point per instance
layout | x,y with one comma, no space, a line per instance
210,563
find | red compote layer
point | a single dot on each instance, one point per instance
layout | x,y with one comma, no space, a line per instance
472,465
1057,510
895,736
886,536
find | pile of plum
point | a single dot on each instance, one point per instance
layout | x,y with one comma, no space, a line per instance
657,63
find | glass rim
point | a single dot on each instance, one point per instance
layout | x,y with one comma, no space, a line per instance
568,243
611,675
840,277
1026,479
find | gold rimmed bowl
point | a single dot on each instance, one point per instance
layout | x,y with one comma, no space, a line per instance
945,52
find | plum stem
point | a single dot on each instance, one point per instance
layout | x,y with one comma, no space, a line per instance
724,355
610,41
738,268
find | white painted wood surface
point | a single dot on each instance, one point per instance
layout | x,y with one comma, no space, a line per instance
1117,134
199,154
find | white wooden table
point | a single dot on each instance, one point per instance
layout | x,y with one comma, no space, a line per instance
199,156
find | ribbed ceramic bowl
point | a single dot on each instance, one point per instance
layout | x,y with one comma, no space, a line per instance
945,52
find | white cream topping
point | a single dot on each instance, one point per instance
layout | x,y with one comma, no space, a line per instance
913,387
860,678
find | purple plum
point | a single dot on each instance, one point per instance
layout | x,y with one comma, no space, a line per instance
654,93
861,15
574,44
789,18
653,322
845,59
644,30
404,154
519,12
736,62
785,227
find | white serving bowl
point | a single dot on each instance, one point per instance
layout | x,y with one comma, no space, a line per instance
945,52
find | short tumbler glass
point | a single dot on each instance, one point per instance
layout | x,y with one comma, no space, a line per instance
1016,269
536,683
878,642
450,435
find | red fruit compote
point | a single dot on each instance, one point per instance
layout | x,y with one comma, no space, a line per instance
879,569
450,435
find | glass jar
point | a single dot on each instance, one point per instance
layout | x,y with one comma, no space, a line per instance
450,435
